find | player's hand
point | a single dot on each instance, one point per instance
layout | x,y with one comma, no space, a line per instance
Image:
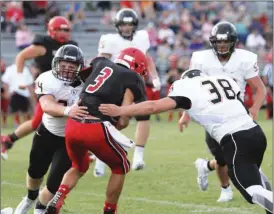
253,112
110,110
78,112
157,84
183,122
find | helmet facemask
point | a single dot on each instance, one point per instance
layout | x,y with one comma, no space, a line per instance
66,70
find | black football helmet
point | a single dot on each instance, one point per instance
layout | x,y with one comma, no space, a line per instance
126,16
223,31
190,73
67,53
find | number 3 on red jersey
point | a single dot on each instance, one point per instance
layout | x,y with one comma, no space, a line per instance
104,74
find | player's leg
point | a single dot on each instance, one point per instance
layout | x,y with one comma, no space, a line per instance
119,165
204,167
76,143
4,109
60,165
40,158
23,130
244,153
141,137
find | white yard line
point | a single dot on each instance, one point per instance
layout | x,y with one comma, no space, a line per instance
197,208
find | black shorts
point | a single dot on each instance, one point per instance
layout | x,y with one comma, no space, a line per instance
215,149
19,103
47,149
243,152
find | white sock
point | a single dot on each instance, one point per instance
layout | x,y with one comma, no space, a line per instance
139,152
227,189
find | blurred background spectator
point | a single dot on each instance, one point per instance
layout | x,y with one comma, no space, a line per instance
23,37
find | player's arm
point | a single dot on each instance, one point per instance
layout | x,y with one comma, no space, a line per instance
55,109
256,84
143,108
105,46
127,100
30,52
153,72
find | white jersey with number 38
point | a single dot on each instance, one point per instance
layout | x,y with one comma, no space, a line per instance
214,104
48,84
241,66
114,43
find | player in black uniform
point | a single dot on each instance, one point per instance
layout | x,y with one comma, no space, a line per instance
108,83
42,51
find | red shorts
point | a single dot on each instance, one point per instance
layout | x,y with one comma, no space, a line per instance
4,105
94,137
37,118
152,95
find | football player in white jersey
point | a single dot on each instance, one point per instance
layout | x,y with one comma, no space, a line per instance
241,65
126,23
214,102
57,90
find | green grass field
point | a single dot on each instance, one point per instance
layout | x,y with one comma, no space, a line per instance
166,186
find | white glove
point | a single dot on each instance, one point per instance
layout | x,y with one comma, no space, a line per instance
157,84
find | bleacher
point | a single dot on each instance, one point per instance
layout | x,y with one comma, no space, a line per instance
86,35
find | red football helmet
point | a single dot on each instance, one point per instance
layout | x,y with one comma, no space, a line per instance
59,29
133,59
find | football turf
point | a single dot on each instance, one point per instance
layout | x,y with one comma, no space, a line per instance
166,186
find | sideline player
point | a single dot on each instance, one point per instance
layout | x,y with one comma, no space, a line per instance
126,23
241,65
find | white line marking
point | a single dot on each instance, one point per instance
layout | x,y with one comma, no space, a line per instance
198,207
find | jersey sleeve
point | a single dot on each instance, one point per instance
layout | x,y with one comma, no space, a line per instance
195,62
43,86
235,86
252,69
105,45
39,40
137,87
179,92
145,40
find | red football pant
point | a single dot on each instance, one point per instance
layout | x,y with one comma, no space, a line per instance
94,137
152,95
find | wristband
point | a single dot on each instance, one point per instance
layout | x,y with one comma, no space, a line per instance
67,110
